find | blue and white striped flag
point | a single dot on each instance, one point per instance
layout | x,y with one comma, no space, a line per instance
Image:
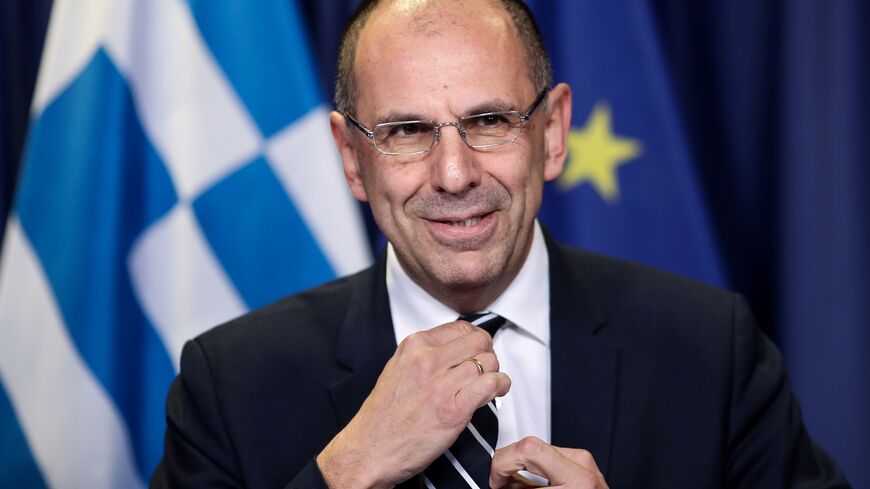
178,172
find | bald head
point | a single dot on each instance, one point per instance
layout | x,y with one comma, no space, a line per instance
425,18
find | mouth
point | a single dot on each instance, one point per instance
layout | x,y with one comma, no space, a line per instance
463,233
466,223
459,221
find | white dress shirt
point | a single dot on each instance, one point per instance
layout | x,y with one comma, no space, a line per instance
522,345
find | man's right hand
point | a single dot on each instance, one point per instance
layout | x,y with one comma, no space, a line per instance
422,401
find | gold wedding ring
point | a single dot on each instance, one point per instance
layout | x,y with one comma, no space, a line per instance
479,366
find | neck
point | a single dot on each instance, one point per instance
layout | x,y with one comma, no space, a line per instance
469,298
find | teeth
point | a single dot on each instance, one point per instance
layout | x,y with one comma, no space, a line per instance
465,223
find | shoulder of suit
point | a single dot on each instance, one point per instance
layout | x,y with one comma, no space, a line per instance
316,311
615,271
620,284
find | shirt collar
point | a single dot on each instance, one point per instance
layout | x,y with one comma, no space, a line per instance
525,303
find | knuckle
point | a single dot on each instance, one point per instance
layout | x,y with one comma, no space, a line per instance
493,361
585,456
423,361
530,446
413,341
489,383
481,340
464,326
505,382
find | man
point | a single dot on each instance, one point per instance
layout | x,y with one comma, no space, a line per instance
605,372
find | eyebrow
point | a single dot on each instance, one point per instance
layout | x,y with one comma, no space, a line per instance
493,105
396,116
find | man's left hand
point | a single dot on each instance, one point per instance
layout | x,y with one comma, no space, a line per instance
569,468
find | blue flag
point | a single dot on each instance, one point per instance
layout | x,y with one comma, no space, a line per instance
628,188
178,172
824,250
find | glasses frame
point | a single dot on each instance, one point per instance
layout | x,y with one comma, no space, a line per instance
370,133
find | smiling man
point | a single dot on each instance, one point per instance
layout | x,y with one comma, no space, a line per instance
567,370
460,219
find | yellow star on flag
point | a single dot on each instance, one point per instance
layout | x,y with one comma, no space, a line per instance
595,153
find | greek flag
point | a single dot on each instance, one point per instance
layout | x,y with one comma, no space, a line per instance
178,172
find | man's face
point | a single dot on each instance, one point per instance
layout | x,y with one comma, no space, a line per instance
460,219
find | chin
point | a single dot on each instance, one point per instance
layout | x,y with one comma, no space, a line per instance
467,275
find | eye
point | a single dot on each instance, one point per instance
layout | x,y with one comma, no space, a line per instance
409,129
490,120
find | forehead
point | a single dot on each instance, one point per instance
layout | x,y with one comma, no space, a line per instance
439,57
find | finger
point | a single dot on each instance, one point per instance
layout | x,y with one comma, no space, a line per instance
482,390
489,361
437,336
515,484
463,348
529,479
447,332
419,359
467,370
463,394
534,455
582,458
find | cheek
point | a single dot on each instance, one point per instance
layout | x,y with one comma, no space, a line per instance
533,174
389,190
528,175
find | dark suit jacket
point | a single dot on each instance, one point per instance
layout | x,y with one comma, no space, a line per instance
666,381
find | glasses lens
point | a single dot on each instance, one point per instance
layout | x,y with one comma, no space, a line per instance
404,137
492,128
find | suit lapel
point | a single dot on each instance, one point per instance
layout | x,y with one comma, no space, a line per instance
583,362
366,340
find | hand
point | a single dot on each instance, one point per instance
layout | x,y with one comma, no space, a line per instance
423,399
565,467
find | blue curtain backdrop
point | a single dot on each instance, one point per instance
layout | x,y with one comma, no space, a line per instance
760,110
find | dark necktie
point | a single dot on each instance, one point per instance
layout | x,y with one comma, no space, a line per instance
467,462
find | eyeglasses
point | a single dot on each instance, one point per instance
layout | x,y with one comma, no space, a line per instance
478,131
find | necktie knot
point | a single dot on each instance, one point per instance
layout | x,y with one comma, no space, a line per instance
488,321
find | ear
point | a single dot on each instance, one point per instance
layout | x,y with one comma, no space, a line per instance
556,130
341,134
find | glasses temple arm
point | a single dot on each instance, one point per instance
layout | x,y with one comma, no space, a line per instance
369,133
535,105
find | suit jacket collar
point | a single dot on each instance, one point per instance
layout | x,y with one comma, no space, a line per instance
584,362
366,340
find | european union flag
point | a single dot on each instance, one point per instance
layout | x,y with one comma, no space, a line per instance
178,172
628,188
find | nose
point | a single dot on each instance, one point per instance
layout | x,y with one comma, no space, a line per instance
454,163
